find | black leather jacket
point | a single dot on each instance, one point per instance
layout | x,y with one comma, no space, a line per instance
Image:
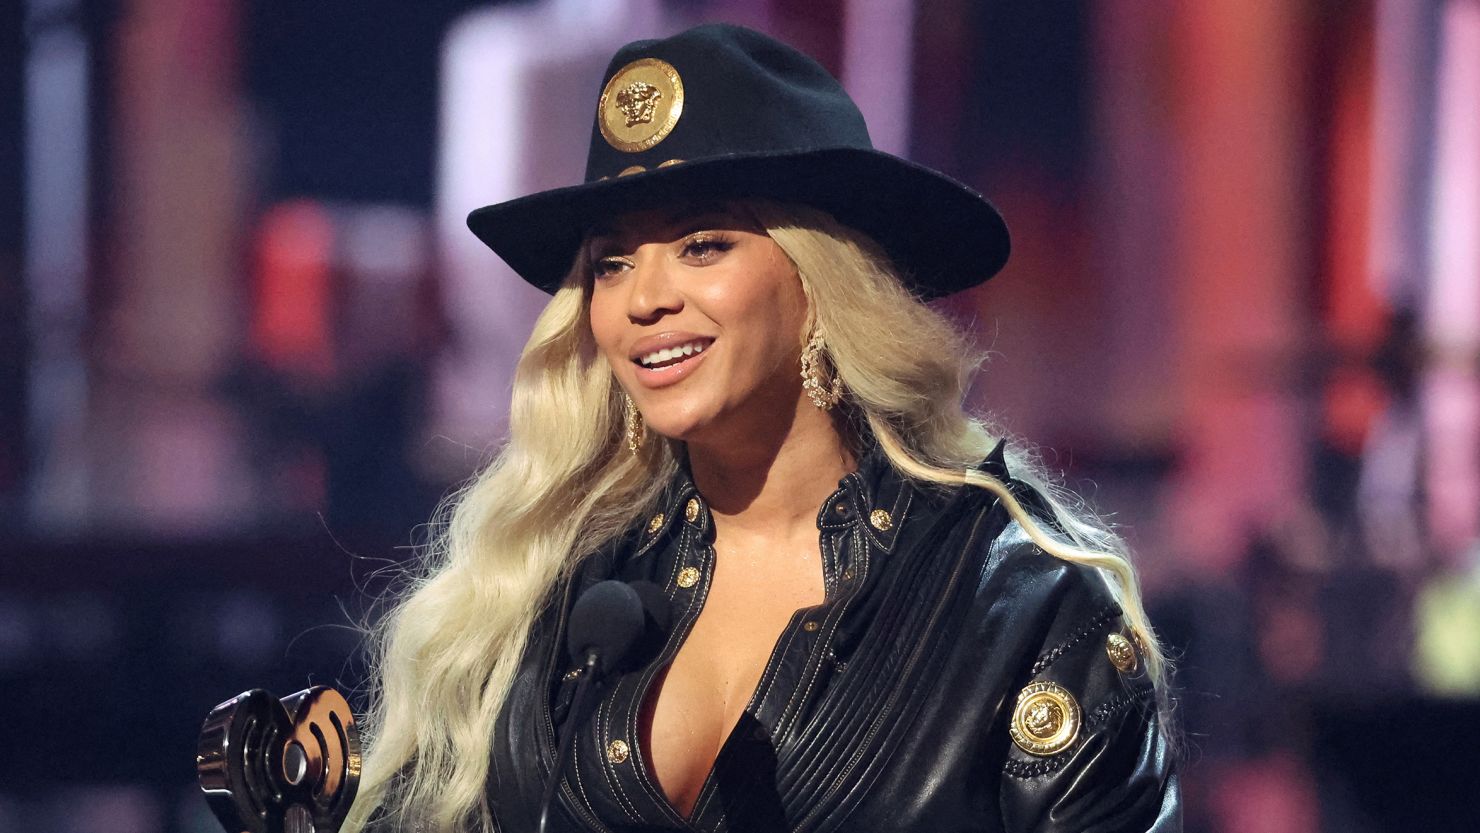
956,678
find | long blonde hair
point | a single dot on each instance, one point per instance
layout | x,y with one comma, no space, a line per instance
565,482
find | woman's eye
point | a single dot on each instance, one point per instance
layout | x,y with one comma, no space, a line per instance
705,249
607,266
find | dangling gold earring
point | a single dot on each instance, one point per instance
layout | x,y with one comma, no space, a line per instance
636,431
824,392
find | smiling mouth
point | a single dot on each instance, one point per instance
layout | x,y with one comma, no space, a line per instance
669,356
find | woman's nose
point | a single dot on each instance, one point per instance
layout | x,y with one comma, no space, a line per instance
654,291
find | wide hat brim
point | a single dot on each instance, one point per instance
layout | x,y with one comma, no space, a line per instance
940,235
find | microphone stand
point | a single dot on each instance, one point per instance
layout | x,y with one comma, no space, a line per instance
584,688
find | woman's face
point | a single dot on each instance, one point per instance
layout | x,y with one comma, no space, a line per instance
700,315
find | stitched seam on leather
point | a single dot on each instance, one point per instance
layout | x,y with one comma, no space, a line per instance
580,785
639,772
815,662
583,806
812,770
1035,769
914,658
816,770
1052,655
820,650
860,544
831,564
1109,709
785,719
644,684
691,615
706,797
628,804
846,808
685,550
603,738
768,675
901,511
823,647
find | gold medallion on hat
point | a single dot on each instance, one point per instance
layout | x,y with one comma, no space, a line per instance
640,105
1046,719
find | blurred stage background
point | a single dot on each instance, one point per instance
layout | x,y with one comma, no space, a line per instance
246,343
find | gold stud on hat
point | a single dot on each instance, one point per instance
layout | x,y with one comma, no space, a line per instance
640,105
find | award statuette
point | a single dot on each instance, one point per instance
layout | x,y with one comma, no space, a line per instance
289,766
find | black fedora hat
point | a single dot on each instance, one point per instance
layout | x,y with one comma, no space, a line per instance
721,111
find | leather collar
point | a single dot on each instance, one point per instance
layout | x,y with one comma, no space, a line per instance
874,497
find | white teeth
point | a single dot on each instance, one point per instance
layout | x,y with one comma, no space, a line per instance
670,353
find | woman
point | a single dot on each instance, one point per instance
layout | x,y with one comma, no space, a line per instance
882,620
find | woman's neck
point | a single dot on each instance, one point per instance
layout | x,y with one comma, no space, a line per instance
773,486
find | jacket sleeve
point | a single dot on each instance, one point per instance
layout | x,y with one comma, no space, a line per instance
1088,750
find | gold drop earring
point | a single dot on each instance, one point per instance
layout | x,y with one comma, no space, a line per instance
824,392
636,430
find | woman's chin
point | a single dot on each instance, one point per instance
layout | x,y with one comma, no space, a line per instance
683,431
689,425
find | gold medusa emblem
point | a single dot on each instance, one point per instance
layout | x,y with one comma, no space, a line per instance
1046,719
1122,653
637,101
1043,718
640,105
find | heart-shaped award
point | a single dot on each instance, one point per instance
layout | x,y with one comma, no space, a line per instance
280,766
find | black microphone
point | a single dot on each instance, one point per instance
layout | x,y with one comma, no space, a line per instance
607,623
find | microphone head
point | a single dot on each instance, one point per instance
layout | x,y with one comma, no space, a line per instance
607,620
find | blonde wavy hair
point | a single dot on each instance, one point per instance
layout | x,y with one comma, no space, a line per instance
565,482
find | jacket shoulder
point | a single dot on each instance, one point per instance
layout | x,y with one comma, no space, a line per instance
1062,597
1082,709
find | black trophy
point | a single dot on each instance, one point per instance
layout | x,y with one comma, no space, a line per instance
280,766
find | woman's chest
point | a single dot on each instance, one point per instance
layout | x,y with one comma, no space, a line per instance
739,623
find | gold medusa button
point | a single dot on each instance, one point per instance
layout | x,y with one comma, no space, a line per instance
656,523
1122,653
688,577
640,105
1046,719
691,511
881,520
618,752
